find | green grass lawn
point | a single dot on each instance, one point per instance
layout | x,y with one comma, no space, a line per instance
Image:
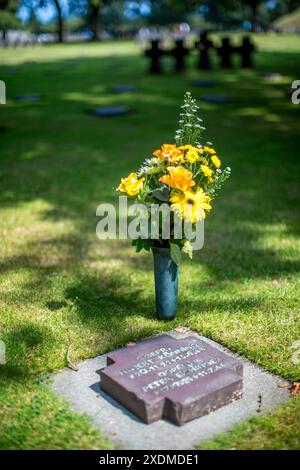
62,289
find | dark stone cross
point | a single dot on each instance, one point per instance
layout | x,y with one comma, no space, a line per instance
225,53
179,379
155,54
203,46
179,53
246,50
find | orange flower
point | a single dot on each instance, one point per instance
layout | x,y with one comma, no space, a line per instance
178,178
169,152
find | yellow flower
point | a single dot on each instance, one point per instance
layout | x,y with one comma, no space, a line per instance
178,178
216,161
191,206
169,152
206,171
209,150
131,185
192,156
186,147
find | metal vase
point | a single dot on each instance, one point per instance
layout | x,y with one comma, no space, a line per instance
166,283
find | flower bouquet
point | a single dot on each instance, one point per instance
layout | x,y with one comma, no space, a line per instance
185,177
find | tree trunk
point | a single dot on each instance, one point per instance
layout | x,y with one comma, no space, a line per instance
60,31
95,14
254,6
4,37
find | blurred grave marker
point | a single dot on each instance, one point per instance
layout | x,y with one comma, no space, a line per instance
246,50
215,99
179,53
111,111
155,53
28,97
225,52
203,46
123,88
203,82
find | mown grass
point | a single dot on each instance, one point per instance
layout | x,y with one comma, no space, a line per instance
61,287
268,432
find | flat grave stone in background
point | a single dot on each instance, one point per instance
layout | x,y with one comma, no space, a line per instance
262,391
203,82
10,70
215,99
29,97
111,111
123,88
180,379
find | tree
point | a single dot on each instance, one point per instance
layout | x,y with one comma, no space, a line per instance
60,30
94,17
8,9
91,10
35,4
253,5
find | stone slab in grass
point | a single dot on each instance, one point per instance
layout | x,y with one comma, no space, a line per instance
216,99
261,392
112,111
123,89
28,97
176,378
203,82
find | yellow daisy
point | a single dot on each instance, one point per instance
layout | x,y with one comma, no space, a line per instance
190,206
216,161
206,171
192,156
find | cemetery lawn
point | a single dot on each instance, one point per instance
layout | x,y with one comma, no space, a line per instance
66,294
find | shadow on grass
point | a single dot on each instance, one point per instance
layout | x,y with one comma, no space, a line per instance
26,344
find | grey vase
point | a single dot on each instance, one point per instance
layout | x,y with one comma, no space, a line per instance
166,283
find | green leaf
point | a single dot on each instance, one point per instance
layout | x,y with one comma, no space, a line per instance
162,194
141,243
175,253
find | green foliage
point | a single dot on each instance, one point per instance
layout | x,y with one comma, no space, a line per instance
190,127
8,9
218,182
175,251
8,20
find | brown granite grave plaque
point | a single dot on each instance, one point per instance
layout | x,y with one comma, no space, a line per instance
179,379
